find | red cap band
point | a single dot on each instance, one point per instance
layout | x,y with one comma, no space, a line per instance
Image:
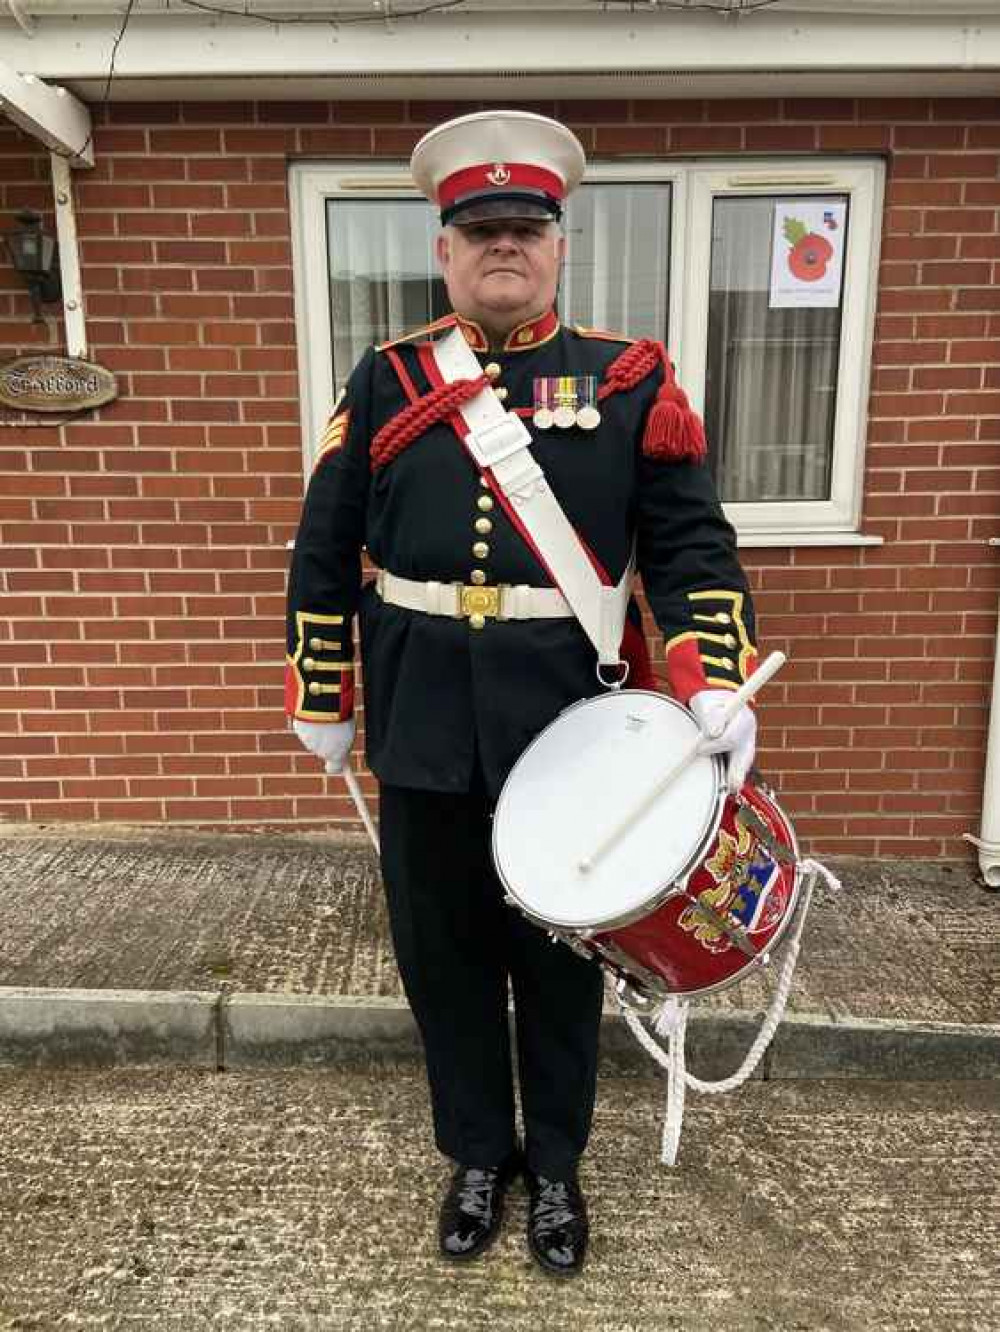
498,176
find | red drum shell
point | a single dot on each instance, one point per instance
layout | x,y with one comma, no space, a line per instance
677,949
635,906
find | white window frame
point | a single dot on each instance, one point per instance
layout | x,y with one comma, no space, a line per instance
796,522
310,186
695,185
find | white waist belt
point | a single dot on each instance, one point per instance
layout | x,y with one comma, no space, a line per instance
463,600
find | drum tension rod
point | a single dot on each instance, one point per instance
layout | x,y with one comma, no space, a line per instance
753,822
735,932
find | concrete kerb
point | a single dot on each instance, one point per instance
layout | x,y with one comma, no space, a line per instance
216,1029
100,1027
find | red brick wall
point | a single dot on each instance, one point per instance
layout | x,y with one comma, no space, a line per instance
141,637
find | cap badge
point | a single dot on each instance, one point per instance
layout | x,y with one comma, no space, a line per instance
499,175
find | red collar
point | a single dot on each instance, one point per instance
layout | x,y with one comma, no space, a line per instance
525,337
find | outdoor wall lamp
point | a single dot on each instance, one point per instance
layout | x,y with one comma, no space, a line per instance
34,253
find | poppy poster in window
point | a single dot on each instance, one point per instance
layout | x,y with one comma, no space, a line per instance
807,253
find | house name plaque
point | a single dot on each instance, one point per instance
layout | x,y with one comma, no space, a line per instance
55,384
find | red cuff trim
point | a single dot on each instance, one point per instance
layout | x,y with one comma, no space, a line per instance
346,696
297,701
291,689
685,671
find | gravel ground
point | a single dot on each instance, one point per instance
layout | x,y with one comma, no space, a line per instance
279,913
178,1201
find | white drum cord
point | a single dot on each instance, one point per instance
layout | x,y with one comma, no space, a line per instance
670,1021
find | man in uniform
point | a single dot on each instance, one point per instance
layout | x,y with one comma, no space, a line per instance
470,648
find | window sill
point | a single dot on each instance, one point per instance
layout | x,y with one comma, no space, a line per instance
748,540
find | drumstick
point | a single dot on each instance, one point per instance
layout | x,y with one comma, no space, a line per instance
761,675
769,667
360,803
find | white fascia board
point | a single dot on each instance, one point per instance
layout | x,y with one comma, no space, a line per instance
52,115
201,48
621,9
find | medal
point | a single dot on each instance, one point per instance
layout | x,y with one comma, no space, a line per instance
566,400
543,416
587,415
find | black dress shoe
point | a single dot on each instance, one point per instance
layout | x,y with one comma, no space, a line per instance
473,1208
557,1224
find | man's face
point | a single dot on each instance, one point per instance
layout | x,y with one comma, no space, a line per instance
501,272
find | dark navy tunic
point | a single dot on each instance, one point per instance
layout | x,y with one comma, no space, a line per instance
439,694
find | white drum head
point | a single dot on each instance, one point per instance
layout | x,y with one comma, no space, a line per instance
575,782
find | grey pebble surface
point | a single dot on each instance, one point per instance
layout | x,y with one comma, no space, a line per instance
182,1200
281,913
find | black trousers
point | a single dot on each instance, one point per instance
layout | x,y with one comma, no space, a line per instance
456,945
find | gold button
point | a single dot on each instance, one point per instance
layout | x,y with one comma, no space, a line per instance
722,617
484,502
315,688
483,526
477,621
730,641
480,549
493,370
478,577
308,664
502,393
316,644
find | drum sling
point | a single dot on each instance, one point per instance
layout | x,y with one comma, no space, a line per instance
498,442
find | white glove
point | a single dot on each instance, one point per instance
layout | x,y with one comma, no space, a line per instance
330,741
738,740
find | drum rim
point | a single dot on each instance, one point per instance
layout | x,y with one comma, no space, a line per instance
667,890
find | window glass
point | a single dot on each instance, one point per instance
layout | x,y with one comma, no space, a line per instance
617,267
767,292
774,323
382,273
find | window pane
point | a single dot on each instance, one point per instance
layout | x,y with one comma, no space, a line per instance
383,277
384,281
771,376
618,258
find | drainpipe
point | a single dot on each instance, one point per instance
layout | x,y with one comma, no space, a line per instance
988,840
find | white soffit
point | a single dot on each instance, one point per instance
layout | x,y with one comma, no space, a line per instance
536,87
546,51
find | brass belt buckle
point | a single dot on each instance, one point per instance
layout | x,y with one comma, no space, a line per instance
480,601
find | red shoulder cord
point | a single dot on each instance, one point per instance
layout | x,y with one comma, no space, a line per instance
673,430
414,420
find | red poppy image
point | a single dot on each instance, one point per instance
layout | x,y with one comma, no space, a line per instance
810,252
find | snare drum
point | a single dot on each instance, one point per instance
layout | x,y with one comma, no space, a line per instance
696,892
